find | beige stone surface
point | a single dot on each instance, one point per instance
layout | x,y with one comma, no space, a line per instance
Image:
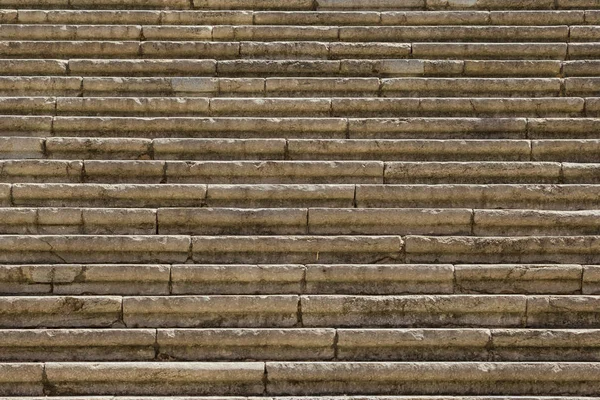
77,344
242,344
562,312
217,311
591,279
582,150
502,51
219,149
516,249
237,279
379,279
435,311
21,148
535,222
296,249
518,279
228,221
97,148
42,171
114,67
486,87
388,221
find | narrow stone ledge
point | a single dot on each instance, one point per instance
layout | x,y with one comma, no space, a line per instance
60,312
535,222
591,279
73,195
583,150
94,67
17,379
413,344
167,379
237,279
77,344
546,344
494,250
94,249
389,221
563,312
518,279
211,311
256,196
244,344
408,311
219,149
98,148
495,51
231,221
40,171
559,128
471,172
409,149
549,197
437,128
25,125
460,378
296,249
274,172
76,279
379,279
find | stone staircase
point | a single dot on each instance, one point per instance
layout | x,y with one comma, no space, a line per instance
309,198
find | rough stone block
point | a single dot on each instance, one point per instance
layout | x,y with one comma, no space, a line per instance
94,67
193,50
379,279
582,150
543,68
436,311
98,148
563,312
270,107
537,17
518,279
408,149
374,5
274,172
42,171
60,312
296,249
340,51
21,379
494,51
77,344
471,172
559,128
536,222
495,250
232,221
581,173
208,17
173,378
284,50
591,279
25,279
21,148
388,222
465,87
211,311
237,279
125,171
413,344
256,196
244,344
93,249
219,149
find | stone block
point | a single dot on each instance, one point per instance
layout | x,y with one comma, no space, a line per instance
537,17
98,148
283,50
568,150
494,51
60,312
93,249
379,279
237,279
375,5
465,87
219,149
518,279
536,222
495,250
389,221
433,311
413,344
94,67
296,249
77,345
189,49
270,107
581,173
40,171
152,172
232,221
471,173
246,344
18,379
211,311
257,196
563,312
21,148
206,17
542,68
156,378
591,279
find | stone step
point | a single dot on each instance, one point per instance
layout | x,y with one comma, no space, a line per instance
324,344
518,196
296,221
349,279
306,5
305,18
300,378
453,33
308,50
298,172
305,107
298,249
66,148
301,128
